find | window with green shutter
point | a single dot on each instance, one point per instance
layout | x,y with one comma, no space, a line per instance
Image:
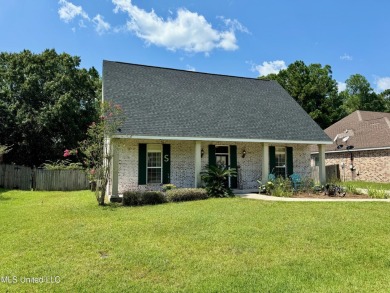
233,164
212,158
154,163
166,163
142,164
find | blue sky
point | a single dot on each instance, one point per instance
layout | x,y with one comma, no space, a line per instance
242,38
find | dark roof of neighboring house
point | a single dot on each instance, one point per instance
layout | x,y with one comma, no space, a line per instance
370,130
162,102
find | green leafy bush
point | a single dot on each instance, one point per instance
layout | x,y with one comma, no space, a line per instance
132,198
186,194
167,187
351,188
215,179
139,198
377,193
153,197
282,187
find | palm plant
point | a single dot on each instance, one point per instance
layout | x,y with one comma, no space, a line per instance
216,178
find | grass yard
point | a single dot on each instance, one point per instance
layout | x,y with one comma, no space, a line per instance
215,245
367,185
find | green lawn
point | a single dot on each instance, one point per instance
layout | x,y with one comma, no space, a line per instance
216,245
367,185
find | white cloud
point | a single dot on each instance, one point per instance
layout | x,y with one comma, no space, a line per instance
68,11
100,25
189,31
346,57
234,24
268,67
190,68
341,86
382,83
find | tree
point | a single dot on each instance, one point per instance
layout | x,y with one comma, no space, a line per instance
385,95
46,103
3,150
359,95
95,149
313,88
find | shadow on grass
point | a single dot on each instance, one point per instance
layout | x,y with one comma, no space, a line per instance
2,193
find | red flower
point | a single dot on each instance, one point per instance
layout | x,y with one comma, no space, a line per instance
67,153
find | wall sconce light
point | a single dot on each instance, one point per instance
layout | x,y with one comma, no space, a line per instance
201,153
244,153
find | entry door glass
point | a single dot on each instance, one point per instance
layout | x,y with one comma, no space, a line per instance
222,160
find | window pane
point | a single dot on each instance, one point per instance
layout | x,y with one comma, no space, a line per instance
154,159
280,171
154,175
221,149
280,157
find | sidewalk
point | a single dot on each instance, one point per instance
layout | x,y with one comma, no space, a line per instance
251,195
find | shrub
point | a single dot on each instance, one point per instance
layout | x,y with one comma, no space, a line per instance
351,188
153,197
186,194
377,193
215,178
282,187
132,198
139,198
167,187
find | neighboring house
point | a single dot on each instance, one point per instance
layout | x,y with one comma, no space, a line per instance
177,122
368,136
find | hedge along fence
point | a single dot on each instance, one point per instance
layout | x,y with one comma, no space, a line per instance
25,178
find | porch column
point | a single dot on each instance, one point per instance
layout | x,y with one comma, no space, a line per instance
321,163
198,165
265,169
114,168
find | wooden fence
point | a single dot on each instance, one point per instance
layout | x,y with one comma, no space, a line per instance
25,178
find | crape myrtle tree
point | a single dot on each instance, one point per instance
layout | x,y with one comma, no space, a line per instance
46,104
95,151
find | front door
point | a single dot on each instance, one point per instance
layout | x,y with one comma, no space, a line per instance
222,159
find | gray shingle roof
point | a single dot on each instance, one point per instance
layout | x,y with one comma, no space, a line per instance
174,103
370,129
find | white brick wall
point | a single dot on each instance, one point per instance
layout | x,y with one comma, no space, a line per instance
183,165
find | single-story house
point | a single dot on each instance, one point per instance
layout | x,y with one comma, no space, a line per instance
177,122
361,147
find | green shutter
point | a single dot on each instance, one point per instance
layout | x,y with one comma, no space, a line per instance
166,163
272,161
142,164
290,161
233,164
212,158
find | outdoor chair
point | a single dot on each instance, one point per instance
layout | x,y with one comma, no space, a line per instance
271,177
296,181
